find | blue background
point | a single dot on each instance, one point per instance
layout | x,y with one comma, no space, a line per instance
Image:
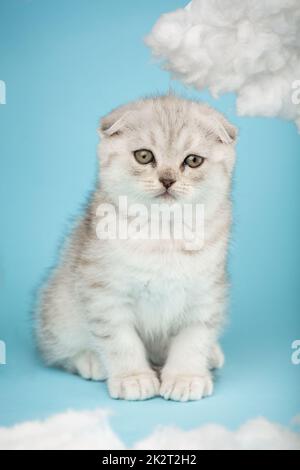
66,63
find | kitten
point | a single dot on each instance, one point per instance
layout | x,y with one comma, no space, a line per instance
146,314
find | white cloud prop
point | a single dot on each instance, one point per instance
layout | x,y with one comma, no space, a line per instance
251,47
87,430
91,431
257,434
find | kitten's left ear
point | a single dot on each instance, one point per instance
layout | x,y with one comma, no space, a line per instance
226,135
226,132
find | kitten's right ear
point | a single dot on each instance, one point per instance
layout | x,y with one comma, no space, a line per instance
113,124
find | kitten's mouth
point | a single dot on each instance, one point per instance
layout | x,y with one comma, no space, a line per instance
166,195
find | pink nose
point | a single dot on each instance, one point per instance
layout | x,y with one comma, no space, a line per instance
167,182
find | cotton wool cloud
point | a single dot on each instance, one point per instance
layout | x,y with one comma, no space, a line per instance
91,430
250,47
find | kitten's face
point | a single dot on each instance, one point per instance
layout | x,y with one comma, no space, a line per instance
166,150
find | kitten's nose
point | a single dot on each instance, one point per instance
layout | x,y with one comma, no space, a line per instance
167,181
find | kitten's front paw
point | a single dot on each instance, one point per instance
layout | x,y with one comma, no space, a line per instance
134,387
186,388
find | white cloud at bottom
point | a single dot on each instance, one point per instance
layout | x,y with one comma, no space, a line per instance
90,430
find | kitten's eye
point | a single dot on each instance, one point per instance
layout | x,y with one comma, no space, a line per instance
143,156
193,161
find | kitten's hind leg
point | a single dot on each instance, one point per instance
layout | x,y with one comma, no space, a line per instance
217,358
88,365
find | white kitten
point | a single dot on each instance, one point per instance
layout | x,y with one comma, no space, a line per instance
122,310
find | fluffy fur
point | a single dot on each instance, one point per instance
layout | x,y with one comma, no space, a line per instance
146,315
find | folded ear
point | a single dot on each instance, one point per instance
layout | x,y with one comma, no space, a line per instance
225,131
226,135
115,122
112,124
